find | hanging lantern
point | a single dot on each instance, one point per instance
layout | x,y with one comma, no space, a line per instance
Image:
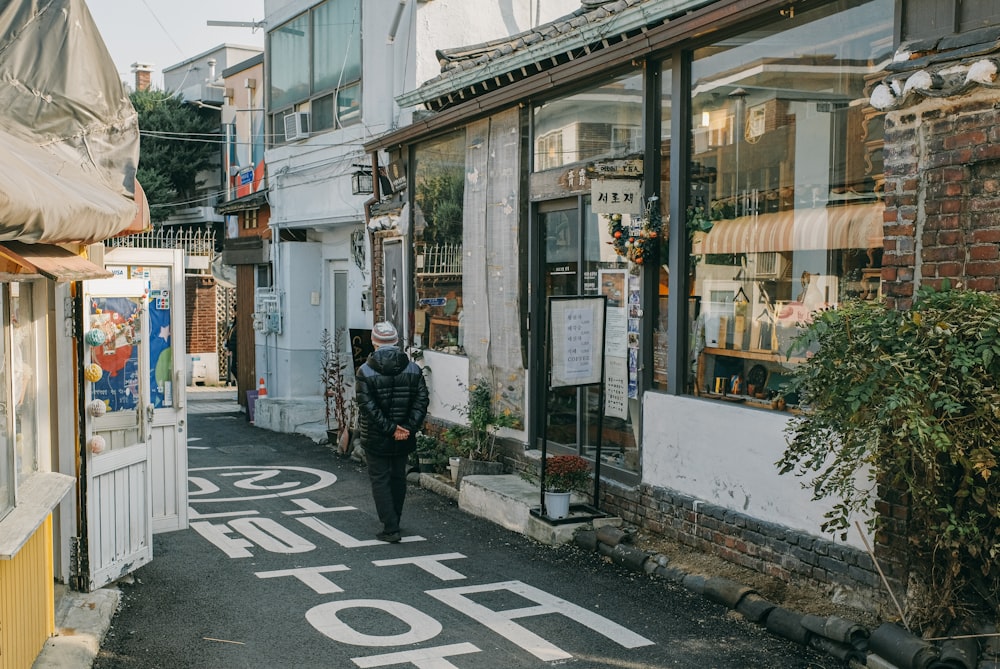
97,444
361,183
97,408
95,337
93,373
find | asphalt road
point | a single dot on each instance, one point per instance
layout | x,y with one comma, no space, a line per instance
280,568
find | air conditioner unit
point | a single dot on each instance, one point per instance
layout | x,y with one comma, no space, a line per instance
296,126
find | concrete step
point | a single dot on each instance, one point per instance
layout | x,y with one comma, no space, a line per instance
508,500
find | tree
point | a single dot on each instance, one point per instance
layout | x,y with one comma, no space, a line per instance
176,142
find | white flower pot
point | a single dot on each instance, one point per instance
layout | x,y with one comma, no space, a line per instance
556,504
453,464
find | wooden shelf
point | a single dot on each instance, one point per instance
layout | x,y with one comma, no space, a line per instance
439,323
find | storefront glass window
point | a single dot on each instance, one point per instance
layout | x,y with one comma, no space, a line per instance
439,177
659,313
601,122
785,214
7,480
22,352
18,418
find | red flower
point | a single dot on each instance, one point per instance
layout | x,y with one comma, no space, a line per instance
566,473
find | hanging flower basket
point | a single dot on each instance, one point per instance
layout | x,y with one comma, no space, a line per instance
637,243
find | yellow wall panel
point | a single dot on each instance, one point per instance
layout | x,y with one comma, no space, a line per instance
27,601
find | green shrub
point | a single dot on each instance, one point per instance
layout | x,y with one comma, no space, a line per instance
909,400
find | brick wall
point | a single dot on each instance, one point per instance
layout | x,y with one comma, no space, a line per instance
201,314
764,547
942,195
942,222
848,574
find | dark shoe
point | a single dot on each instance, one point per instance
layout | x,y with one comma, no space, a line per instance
389,537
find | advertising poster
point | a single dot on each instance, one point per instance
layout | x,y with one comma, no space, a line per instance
118,356
392,284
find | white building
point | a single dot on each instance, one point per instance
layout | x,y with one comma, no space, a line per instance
333,69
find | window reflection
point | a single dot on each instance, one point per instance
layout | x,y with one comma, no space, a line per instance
22,353
438,233
579,260
605,121
18,391
785,214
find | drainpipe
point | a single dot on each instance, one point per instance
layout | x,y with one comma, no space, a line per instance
390,61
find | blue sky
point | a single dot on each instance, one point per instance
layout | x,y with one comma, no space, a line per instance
165,32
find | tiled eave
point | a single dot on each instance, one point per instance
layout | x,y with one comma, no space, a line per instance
468,72
940,68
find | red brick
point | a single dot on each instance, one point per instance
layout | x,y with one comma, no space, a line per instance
949,237
947,269
984,252
970,138
987,284
984,268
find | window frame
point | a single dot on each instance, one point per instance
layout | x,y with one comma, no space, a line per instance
315,94
38,431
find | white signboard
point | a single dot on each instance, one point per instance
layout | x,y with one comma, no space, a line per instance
616,196
576,327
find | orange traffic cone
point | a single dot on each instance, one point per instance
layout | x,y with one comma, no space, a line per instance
261,388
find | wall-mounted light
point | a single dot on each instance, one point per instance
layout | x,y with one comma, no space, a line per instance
361,183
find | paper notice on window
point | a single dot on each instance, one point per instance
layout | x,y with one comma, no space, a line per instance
616,387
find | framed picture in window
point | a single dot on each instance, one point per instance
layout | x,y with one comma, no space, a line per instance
393,284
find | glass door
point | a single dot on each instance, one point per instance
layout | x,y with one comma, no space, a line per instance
576,259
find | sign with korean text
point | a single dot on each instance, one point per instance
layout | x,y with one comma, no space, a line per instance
576,327
616,196
618,168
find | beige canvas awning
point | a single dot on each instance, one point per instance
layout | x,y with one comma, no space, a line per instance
854,226
69,136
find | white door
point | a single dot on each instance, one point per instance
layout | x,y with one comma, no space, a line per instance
163,272
117,501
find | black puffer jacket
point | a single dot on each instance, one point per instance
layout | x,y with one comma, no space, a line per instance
391,391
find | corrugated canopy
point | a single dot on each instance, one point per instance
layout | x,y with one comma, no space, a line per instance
855,226
69,136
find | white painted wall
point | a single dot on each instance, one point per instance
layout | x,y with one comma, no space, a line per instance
725,454
447,382
289,361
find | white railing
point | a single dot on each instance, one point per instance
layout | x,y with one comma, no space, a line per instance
438,259
194,242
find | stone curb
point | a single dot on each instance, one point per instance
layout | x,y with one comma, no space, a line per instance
888,647
433,484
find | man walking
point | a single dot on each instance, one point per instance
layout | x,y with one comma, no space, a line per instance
392,404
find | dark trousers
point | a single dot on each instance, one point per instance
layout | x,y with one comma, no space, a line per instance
388,477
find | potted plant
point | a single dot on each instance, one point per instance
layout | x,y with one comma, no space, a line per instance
340,410
477,442
428,451
564,475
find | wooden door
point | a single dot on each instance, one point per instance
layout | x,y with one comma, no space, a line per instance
162,271
117,507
